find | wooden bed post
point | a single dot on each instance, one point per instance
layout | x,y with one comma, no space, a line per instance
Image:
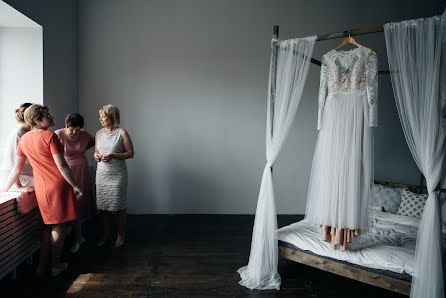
276,31
273,74
272,91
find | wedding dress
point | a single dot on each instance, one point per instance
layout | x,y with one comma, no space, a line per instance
342,164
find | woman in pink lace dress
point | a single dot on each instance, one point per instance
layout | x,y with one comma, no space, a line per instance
76,141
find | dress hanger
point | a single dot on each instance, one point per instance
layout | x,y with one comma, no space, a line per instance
352,41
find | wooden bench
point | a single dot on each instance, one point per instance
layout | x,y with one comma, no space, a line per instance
19,238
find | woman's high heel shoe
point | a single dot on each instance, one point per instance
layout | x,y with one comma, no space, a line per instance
75,248
58,269
119,244
101,242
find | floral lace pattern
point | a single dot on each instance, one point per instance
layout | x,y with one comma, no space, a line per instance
350,71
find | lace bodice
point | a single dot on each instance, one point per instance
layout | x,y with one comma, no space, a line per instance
350,71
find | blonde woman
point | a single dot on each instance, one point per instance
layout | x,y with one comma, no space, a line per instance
55,187
113,147
26,176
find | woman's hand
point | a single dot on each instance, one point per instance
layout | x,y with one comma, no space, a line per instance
97,156
77,192
13,177
64,169
107,157
26,188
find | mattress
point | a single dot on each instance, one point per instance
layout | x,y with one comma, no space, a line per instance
389,244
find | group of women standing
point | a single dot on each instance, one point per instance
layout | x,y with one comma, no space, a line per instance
58,170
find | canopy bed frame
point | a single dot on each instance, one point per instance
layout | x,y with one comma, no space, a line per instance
362,31
389,280
420,109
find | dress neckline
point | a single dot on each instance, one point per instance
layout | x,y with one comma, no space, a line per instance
67,137
112,133
351,51
346,51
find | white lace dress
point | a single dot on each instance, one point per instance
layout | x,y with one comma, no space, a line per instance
111,176
6,165
342,163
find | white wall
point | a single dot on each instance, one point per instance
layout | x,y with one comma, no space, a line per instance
21,72
190,78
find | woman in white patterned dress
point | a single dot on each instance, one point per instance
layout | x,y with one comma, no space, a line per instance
26,176
113,147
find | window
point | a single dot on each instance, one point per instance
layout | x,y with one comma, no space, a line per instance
21,66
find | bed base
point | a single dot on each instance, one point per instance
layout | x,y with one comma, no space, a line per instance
350,271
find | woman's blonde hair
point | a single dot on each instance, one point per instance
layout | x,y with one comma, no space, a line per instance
112,113
34,113
19,112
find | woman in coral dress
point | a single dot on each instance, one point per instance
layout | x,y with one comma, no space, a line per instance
76,141
55,187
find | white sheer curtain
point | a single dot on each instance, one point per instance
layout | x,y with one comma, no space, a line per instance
415,50
293,59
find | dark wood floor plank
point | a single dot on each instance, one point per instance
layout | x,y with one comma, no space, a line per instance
178,256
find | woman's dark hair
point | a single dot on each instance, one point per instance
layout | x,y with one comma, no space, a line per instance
74,120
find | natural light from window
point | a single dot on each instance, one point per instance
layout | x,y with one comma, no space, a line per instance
21,66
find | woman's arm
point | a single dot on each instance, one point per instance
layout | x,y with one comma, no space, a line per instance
17,183
19,163
96,154
128,146
91,143
66,173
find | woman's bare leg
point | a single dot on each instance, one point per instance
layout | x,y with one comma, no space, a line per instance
121,220
77,229
78,238
105,217
57,240
45,236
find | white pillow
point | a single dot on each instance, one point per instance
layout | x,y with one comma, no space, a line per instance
412,204
387,197
377,208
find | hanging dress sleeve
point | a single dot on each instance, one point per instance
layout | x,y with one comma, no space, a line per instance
322,92
372,89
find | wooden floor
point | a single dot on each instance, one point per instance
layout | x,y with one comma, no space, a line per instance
178,256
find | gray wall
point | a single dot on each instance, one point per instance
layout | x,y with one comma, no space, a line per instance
59,22
190,78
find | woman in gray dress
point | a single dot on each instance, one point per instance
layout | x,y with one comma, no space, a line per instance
113,147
